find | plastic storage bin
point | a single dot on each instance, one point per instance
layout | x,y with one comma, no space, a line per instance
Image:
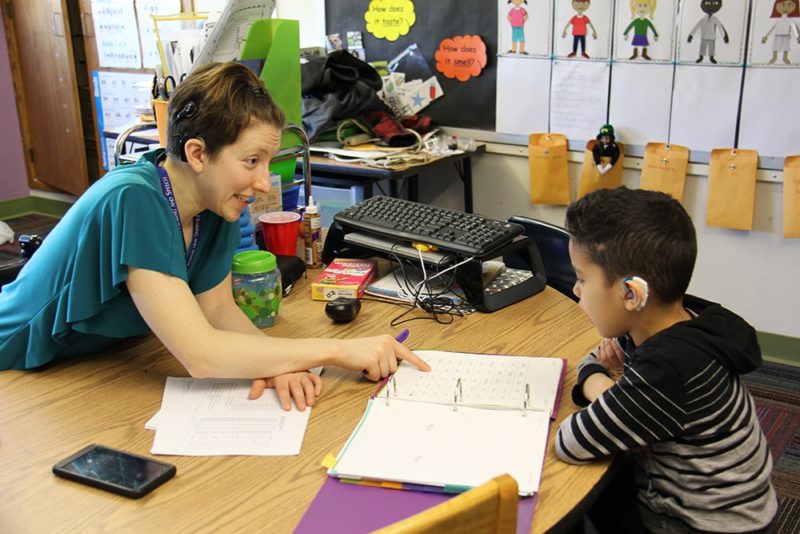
289,196
332,200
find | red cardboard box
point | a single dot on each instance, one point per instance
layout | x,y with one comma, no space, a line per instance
343,278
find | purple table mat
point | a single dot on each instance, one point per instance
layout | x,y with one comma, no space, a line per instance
351,508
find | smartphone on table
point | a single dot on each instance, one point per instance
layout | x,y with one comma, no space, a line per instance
114,470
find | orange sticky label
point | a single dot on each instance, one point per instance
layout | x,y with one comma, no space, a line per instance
461,57
389,19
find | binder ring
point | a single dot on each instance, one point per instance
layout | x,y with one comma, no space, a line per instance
526,400
458,395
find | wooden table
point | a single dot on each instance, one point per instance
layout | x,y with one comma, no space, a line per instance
47,415
327,171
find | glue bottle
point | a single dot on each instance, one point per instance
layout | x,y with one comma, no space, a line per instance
311,230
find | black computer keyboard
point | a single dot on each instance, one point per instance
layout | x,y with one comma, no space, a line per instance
451,230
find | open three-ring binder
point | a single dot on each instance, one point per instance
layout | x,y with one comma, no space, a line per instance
471,418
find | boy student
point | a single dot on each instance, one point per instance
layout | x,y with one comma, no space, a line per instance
664,384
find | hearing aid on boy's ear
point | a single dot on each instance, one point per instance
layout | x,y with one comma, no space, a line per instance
630,294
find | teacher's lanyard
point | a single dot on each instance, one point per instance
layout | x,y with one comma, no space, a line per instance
166,188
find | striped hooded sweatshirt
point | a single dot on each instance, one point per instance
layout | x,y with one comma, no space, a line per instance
681,396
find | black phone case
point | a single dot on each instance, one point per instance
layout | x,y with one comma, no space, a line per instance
168,472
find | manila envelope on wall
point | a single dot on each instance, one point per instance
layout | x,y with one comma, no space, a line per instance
592,180
732,188
791,196
547,159
664,169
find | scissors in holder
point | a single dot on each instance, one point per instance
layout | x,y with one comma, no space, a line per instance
163,87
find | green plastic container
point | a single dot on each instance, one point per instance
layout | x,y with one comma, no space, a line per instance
257,286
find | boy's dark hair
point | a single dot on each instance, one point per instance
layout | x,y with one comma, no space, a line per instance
636,232
216,103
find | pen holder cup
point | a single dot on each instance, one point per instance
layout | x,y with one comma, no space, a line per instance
257,286
160,111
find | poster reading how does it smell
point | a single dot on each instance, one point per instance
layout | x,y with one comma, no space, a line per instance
462,57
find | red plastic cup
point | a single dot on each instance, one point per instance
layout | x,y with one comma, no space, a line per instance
280,231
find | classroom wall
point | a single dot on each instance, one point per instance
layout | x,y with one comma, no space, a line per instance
753,273
13,176
312,15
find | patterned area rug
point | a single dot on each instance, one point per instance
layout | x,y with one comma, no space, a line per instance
776,390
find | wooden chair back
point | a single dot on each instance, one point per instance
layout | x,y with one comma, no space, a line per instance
490,508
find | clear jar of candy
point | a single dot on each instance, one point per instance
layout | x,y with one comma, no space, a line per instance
257,286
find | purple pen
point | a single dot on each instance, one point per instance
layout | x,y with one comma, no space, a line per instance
402,336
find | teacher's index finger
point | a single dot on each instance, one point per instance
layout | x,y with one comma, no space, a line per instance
404,353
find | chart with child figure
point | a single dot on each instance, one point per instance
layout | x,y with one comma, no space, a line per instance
712,32
644,30
775,33
524,28
583,29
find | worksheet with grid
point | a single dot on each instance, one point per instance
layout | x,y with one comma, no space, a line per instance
485,380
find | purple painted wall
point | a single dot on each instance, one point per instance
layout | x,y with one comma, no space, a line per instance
13,176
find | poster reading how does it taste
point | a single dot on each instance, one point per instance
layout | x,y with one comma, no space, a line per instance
389,19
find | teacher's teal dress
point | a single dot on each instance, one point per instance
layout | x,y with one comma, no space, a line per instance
71,297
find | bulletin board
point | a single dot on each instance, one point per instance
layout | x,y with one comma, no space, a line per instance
469,104
745,98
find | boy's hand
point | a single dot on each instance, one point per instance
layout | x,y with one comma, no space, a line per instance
304,387
611,356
